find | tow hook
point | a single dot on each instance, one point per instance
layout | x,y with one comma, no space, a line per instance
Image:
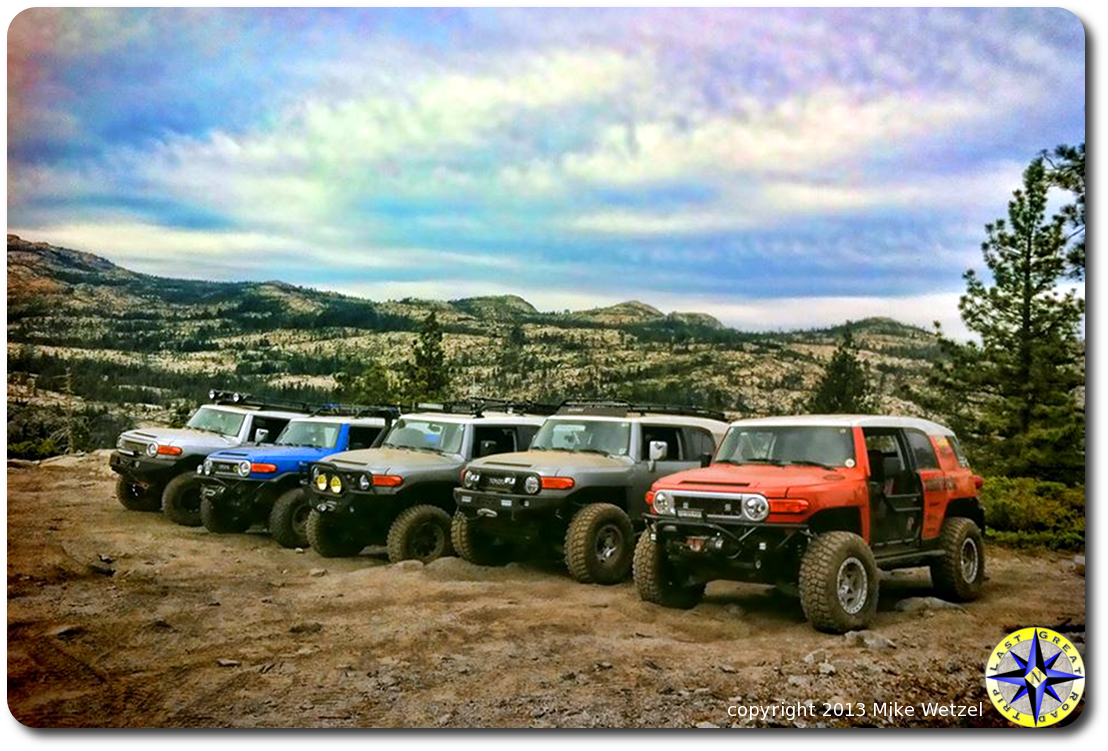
487,512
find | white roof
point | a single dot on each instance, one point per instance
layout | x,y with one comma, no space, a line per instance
255,411
509,418
654,418
849,421
332,419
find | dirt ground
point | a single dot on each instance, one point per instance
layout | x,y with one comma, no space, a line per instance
118,618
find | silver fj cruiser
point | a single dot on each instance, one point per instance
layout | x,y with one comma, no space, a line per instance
579,490
157,466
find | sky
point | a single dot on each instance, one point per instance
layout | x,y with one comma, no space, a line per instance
774,168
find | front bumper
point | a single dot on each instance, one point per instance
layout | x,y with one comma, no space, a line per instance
144,470
237,495
512,507
718,547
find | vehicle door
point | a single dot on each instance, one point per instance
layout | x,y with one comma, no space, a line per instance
934,482
362,437
493,439
272,425
646,471
896,498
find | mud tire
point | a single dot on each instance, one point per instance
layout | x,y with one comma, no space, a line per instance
599,544
420,533
960,574
838,583
134,497
655,580
475,546
220,519
327,537
181,500
288,519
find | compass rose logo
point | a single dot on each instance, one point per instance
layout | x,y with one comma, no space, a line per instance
1035,677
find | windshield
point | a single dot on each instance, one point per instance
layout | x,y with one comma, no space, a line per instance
321,435
820,446
426,435
215,420
594,436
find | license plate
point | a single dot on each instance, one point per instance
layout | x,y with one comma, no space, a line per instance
690,513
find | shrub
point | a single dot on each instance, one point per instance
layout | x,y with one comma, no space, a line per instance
1027,512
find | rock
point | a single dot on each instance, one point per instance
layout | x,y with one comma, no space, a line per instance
160,624
706,725
795,680
604,666
311,627
1079,565
725,668
826,668
923,604
570,676
813,657
99,567
21,463
224,662
651,664
411,565
67,631
318,572
868,639
106,558
735,610
299,550
213,603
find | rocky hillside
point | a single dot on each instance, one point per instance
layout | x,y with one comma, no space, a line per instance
136,338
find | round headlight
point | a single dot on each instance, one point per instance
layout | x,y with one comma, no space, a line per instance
364,482
663,504
119,442
336,484
244,468
755,508
207,466
320,480
151,449
471,478
532,484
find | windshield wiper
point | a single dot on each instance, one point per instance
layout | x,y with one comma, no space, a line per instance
592,451
774,462
809,463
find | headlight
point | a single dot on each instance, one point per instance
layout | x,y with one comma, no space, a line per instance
244,468
119,442
151,449
471,478
532,484
755,508
315,473
207,466
663,504
320,480
336,484
364,482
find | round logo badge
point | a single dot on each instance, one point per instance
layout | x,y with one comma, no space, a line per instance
1035,677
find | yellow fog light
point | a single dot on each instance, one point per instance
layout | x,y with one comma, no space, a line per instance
336,484
321,481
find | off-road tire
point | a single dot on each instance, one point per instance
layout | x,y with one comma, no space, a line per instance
590,528
950,580
654,577
419,533
822,568
327,537
181,500
134,497
288,519
220,519
473,545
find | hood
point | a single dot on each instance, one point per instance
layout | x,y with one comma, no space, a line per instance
273,454
183,437
553,462
780,482
383,461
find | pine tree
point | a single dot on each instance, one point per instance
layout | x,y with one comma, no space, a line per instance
427,376
371,385
844,387
1066,170
1013,391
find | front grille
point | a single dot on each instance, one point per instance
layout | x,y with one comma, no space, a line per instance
500,482
713,506
222,466
133,447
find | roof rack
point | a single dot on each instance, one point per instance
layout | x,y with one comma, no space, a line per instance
620,407
389,412
478,405
240,399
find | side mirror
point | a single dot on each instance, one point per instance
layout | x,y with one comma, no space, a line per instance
658,450
705,460
261,435
487,448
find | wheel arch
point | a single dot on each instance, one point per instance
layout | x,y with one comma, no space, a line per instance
843,519
969,508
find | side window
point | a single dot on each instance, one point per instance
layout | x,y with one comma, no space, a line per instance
524,435
362,437
272,424
668,433
489,440
922,450
963,460
884,447
699,441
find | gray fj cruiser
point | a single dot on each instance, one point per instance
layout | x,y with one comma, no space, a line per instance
579,491
400,494
157,466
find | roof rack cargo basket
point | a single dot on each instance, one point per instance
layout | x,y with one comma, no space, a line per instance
478,405
622,407
240,399
388,411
